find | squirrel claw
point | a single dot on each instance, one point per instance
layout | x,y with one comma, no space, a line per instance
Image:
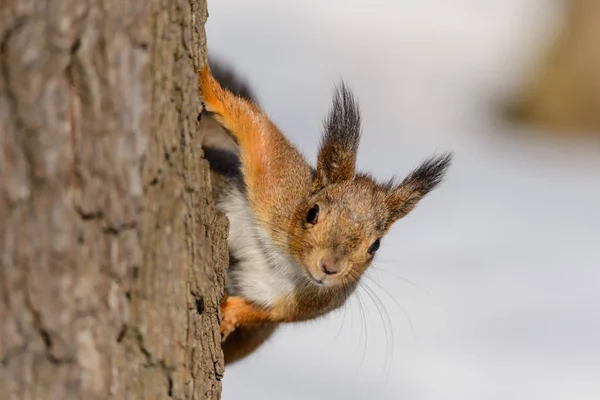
201,108
230,307
227,328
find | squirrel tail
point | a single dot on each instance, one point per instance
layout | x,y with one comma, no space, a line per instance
229,79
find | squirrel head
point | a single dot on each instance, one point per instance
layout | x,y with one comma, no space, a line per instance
337,229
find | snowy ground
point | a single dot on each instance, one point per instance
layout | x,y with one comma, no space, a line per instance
492,284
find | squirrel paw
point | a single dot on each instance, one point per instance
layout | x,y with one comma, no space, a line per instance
227,328
209,90
235,312
231,309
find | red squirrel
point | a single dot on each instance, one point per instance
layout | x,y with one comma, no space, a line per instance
300,238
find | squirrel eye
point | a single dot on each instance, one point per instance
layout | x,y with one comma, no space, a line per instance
313,215
374,247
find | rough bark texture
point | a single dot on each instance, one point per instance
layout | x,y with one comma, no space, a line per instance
111,254
565,93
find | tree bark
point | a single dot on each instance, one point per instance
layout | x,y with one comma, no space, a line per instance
565,92
112,256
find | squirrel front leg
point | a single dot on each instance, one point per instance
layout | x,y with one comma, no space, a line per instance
273,170
258,138
236,312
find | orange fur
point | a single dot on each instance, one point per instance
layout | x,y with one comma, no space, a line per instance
354,213
242,120
236,311
269,161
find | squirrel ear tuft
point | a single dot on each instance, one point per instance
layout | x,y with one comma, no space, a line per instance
402,198
336,160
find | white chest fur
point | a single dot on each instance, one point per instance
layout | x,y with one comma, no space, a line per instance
262,273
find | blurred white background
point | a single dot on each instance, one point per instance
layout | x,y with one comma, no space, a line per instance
492,284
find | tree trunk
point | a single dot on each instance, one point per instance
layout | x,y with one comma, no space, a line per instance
112,256
565,93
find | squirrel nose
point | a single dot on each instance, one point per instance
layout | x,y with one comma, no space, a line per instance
330,266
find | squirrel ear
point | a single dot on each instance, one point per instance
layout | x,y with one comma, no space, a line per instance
336,160
403,197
